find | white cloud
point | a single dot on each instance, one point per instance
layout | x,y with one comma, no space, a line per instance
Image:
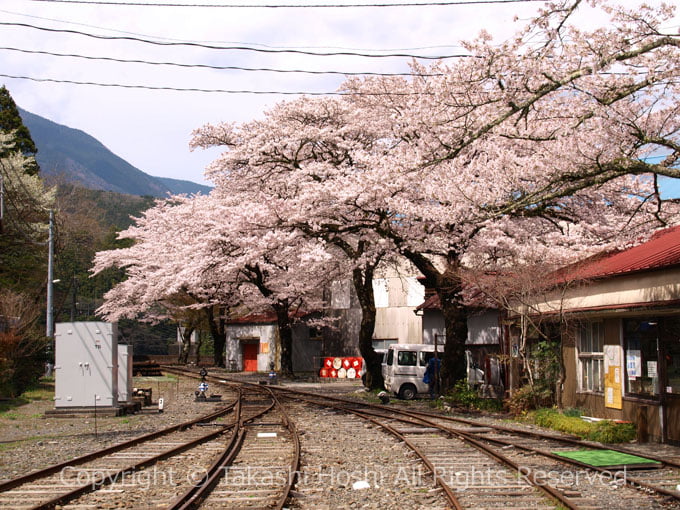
151,129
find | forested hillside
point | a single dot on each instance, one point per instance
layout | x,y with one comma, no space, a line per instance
74,156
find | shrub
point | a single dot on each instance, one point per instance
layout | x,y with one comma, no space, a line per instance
22,349
605,431
463,395
611,432
553,419
528,398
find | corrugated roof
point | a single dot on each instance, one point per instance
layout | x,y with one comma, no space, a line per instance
254,318
431,303
473,298
662,250
268,317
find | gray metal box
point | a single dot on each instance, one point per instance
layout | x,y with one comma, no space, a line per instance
86,364
124,373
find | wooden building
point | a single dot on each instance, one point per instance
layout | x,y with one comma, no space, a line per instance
620,335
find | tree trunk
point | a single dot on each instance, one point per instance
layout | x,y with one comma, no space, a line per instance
217,325
285,337
199,345
363,285
186,345
455,322
449,288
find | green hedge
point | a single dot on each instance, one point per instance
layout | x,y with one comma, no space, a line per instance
604,431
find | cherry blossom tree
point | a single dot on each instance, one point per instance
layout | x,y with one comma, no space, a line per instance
537,148
163,279
219,254
296,163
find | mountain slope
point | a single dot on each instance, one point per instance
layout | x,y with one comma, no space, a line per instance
82,159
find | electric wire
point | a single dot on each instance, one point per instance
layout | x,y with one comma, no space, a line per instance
223,91
192,89
289,6
160,37
216,67
232,48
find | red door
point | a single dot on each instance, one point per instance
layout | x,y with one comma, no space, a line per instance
250,357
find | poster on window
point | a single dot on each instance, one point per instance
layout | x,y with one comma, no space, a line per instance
633,363
612,376
651,369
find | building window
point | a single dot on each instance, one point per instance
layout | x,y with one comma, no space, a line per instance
384,343
591,356
641,342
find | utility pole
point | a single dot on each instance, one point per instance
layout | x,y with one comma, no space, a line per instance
2,201
50,278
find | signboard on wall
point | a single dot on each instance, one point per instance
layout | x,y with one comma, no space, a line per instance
612,376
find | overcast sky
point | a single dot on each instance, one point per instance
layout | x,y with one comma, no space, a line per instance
151,129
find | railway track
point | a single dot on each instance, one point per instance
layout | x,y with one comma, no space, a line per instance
488,466
531,456
176,467
259,465
60,483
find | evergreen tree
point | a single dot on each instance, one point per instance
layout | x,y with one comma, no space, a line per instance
11,123
23,229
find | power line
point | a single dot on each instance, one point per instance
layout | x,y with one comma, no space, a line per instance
159,37
234,48
289,6
221,91
215,67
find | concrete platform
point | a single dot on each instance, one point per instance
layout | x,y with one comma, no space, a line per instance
90,411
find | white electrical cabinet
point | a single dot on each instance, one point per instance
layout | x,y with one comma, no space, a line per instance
86,364
124,373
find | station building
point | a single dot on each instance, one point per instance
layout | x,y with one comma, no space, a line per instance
619,321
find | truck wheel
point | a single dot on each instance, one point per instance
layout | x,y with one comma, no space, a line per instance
407,392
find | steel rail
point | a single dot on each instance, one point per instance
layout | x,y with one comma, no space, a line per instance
529,474
471,436
288,423
438,479
295,463
633,482
107,479
193,497
540,435
50,470
572,440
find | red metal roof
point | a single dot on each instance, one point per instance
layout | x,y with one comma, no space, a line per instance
431,303
255,318
268,317
662,250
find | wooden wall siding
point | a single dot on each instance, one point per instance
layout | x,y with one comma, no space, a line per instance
592,404
343,338
571,377
306,352
673,418
483,328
